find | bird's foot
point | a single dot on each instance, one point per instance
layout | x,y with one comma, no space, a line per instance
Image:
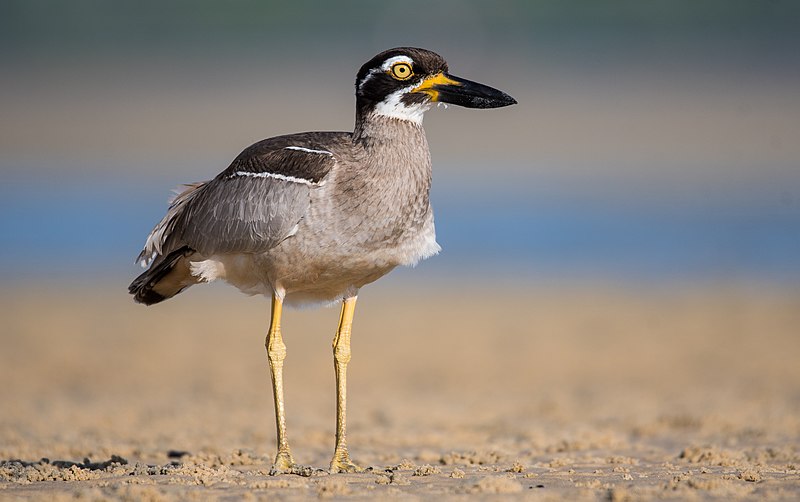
341,463
284,464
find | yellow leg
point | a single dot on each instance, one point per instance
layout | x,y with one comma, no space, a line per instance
276,352
341,356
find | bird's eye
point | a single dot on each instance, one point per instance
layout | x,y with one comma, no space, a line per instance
402,71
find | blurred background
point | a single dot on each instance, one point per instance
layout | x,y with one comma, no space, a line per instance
621,250
654,143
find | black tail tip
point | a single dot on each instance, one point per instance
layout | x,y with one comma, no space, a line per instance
147,297
142,288
143,294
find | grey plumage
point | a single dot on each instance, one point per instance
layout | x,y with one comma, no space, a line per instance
313,217
366,199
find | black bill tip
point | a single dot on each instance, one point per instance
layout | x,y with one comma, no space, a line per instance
462,92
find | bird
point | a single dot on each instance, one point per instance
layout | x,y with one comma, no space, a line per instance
310,218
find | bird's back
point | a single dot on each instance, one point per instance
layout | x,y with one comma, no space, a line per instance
313,215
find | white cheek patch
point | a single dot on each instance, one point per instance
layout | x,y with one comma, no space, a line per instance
394,107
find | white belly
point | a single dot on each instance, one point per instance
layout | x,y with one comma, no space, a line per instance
305,276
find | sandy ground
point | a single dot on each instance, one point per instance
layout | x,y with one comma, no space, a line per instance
580,393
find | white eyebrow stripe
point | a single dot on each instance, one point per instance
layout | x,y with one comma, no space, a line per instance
308,150
276,176
396,59
386,66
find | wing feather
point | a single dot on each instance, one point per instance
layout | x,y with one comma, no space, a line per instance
242,214
250,207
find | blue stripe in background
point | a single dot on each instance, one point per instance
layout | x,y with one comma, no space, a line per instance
97,226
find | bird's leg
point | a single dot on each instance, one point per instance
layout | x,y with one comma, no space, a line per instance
276,352
341,356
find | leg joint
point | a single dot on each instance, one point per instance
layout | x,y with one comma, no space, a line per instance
341,353
276,349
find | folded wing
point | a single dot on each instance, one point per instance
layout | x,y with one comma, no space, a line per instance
252,206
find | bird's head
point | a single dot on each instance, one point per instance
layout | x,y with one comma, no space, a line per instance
405,82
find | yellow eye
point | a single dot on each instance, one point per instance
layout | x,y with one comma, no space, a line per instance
402,71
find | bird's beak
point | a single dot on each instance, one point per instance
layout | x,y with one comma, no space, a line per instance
446,88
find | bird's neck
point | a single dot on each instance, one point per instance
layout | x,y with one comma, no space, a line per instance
394,172
394,146
372,127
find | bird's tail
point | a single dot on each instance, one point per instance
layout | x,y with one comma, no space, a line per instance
165,278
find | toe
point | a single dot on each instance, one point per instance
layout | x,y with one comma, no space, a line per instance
341,463
284,464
